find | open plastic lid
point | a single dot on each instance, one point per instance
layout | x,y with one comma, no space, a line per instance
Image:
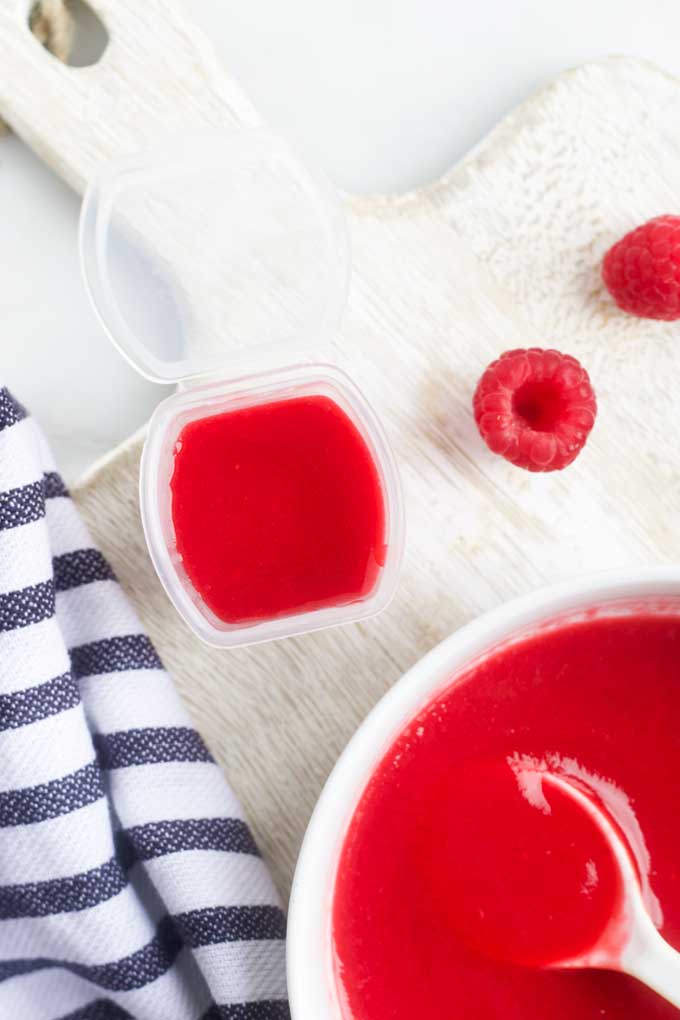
197,253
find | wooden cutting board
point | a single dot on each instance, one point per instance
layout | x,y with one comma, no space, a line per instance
503,251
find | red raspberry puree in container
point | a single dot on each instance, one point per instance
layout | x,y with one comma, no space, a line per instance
277,508
462,874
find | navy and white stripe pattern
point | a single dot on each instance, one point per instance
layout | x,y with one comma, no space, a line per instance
130,885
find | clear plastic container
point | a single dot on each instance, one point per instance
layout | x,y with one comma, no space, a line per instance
223,267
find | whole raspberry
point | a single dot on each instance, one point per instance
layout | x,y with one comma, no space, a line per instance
642,270
535,408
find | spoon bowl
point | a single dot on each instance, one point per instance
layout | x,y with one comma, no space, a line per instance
629,942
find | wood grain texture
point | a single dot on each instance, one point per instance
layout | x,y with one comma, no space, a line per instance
158,75
502,252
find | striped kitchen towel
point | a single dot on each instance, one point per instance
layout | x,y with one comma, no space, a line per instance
130,886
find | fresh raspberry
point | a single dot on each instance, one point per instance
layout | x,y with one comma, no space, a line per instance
535,408
642,270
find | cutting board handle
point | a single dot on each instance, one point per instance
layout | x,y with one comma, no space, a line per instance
157,76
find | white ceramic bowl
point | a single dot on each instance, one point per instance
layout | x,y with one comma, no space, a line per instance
311,987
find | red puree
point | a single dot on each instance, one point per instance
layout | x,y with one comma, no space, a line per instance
452,871
277,508
523,873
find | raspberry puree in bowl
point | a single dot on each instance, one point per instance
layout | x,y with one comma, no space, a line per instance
458,881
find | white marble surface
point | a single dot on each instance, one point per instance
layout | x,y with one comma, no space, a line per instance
383,94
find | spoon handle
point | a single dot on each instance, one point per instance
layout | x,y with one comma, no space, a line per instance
656,964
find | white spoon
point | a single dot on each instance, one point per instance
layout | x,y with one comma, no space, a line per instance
629,943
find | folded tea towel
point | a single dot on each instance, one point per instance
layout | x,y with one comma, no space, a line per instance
130,886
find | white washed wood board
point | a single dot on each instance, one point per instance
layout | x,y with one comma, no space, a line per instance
503,251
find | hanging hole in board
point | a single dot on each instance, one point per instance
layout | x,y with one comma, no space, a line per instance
70,30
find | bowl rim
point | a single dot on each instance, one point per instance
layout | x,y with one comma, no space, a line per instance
311,986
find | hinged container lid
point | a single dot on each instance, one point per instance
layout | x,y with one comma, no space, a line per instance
198,253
